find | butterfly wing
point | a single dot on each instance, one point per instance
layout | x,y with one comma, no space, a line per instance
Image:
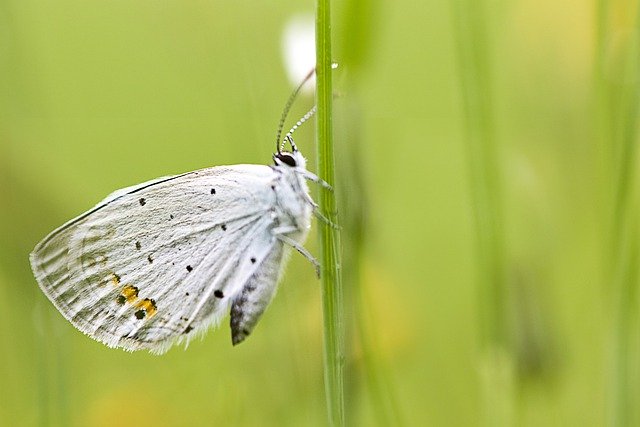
247,307
159,262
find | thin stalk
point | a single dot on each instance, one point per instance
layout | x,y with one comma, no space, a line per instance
625,303
364,368
330,260
618,103
484,166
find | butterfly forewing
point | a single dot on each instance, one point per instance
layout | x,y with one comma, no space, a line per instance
161,261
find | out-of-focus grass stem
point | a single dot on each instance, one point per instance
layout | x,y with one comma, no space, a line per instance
365,366
617,83
484,166
329,236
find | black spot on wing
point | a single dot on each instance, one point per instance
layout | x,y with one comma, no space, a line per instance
224,227
213,191
189,268
142,201
138,246
253,260
218,293
140,314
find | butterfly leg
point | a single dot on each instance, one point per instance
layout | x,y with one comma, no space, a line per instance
319,215
280,233
324,219
314,178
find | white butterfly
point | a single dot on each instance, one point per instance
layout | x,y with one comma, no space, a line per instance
158,263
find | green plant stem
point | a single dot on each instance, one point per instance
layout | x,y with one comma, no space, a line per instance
333,317
484,166
617,89
483,163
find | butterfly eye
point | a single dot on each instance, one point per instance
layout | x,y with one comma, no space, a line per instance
286,158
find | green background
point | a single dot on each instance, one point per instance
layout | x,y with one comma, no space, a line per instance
98,95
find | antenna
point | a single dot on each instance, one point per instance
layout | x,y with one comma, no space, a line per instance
288,137
287,107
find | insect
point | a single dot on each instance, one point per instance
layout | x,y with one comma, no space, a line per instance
160,262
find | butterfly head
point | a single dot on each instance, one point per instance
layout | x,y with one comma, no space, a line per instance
291,159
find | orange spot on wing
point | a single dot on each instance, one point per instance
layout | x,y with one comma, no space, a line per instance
148,305
130,293
115,279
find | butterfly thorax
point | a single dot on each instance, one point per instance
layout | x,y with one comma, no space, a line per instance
293,202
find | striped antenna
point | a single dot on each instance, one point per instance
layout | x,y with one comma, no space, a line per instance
287,107
288,137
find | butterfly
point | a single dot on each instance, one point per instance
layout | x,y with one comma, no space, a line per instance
158,263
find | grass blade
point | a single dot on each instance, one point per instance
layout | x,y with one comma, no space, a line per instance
333,317
474,64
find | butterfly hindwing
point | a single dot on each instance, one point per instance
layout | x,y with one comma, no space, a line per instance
154,263
256,294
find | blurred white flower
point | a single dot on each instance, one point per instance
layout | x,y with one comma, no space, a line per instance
299,49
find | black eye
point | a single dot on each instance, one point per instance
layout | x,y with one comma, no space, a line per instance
287,159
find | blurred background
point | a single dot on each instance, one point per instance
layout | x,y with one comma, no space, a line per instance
484,155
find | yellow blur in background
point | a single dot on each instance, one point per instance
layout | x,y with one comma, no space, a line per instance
97,95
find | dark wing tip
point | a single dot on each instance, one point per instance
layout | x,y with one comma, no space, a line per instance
237,336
